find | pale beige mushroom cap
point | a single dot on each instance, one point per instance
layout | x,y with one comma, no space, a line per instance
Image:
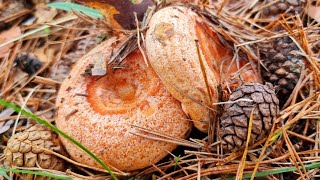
99,112
171,44
172,51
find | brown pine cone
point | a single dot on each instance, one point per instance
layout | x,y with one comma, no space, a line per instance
284,65
21,152
282,6
235,118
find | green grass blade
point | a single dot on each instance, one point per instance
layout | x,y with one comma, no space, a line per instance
52,127
279,171
176,161
4,174
68,6
35,173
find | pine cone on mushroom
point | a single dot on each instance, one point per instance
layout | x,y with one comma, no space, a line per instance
24,149
235,118
284,65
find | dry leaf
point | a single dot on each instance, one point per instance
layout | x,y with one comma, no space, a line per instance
119,14
4,126
100,66
7,35
314,12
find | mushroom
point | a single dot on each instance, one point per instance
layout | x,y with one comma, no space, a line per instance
99,112
178,41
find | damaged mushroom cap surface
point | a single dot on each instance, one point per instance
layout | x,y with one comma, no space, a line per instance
99,112
178,41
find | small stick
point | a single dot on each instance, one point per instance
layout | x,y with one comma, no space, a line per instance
301,136
138,41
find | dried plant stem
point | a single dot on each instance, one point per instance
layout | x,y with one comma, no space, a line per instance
138,40
243,159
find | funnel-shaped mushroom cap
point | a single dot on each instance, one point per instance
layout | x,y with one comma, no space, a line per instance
171,44
192,61
99,112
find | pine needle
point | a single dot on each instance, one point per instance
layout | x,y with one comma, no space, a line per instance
243,159
212,120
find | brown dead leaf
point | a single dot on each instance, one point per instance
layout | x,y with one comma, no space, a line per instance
314,12
5,113
120,14
100,66
7,35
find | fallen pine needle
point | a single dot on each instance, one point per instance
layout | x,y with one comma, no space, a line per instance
243,159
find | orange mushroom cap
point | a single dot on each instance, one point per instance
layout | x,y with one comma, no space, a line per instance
99,112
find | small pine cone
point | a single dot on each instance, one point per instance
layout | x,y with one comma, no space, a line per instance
21,152
284,65
282,6
235,118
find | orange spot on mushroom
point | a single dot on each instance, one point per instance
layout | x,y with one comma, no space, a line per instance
116,93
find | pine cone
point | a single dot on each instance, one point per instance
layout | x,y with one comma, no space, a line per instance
235,118
284,65
282,6
21,152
